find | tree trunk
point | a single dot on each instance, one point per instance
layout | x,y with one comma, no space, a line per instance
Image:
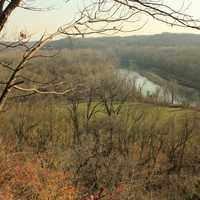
7,11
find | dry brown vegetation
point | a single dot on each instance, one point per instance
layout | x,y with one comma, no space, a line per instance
98,142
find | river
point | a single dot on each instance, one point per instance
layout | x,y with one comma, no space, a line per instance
147,86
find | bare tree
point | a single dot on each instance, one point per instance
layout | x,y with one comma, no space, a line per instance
103,16
6,9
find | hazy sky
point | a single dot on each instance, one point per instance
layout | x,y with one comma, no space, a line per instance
38,22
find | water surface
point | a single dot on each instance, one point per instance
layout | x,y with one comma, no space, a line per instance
147,87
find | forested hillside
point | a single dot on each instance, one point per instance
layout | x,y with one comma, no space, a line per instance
164,39
171,56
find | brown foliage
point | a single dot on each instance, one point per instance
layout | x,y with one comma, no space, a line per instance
26,179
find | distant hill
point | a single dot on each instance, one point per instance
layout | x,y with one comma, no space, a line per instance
164,39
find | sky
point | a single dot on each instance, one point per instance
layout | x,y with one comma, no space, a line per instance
36,23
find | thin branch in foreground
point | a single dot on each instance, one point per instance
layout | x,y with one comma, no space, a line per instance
35,90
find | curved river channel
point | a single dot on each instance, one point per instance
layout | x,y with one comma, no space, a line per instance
147,86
